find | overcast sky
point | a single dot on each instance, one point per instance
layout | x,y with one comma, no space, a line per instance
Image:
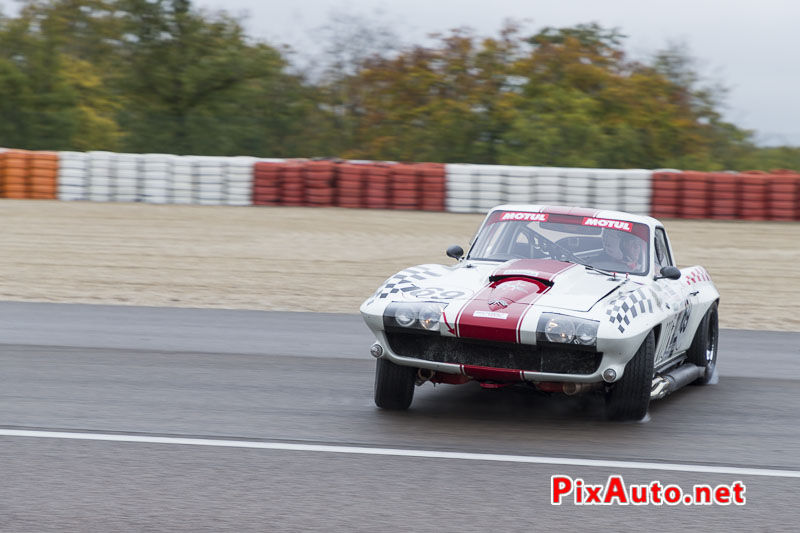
751,46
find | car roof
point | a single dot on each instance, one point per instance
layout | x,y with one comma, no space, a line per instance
579,211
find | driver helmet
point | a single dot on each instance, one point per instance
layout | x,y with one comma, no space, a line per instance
633,250
612,239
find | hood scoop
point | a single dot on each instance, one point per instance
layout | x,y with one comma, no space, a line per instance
495,278
541,270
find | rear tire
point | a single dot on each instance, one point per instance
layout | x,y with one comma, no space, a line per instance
630,396
394,385
703,351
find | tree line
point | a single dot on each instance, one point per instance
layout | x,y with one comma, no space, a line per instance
164,76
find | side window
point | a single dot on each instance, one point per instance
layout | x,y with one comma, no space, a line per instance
662,250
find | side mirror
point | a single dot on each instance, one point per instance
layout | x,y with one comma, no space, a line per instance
455,251
669,272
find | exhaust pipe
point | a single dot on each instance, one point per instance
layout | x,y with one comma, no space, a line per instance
571,389
675,379
425,374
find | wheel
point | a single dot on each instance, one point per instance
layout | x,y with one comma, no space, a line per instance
394,385
630,396
703,351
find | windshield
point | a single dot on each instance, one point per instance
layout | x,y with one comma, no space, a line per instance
613,245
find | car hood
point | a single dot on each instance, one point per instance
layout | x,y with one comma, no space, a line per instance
557,284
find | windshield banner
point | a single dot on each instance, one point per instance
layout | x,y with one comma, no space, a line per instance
529,217
607,223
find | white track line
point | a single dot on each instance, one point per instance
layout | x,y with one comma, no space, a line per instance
396,452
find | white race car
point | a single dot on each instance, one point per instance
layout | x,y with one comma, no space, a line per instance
565,299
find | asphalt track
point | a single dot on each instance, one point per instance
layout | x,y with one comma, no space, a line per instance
262,421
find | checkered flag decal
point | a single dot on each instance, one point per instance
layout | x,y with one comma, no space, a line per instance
697,275
403,281
624,309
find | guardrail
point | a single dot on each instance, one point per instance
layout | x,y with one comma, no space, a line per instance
461,188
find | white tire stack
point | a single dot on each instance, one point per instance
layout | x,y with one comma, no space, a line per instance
156,178
638,191
551,186
208,173
491,187
608,188
126,175
577,187
100,174
520,184
239,180
462,188
72,176
184,189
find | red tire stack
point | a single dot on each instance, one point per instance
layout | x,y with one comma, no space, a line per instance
43,175
377,181
405,186
782,195
293,187
724,195
267,183
433,187
695,195
320,179
666,199
350,185
753,198
14,174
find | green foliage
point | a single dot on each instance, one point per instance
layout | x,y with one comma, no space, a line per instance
162,76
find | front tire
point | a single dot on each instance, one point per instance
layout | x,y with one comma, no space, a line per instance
630,396
394,385
703,351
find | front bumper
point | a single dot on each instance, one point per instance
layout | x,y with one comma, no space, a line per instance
499,361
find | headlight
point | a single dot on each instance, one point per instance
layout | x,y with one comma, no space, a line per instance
417,315
429,316
406,316
586,333
559,329
564,329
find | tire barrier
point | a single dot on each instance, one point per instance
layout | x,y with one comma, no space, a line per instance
14,174
43,175
238,180
292,184
319,179
182,188
433,191
783,196
351,184
155,171
267,182
98,170
377,186
726,196
72,176
461,188
126,177
405,186
723,191
477,188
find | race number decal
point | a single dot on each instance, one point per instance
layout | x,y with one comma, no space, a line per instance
437,293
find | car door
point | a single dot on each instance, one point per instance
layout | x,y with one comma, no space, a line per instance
676,301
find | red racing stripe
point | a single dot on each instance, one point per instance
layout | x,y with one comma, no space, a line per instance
496,312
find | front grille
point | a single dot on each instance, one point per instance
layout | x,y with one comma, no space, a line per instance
494,354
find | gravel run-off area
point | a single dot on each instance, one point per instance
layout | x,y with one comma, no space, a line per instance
321,259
